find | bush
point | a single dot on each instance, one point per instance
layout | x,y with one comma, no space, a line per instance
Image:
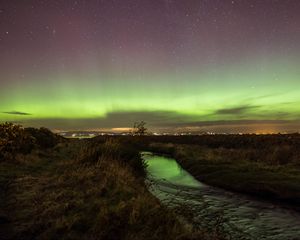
44,138
14,139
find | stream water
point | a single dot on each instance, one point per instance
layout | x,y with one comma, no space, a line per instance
239,216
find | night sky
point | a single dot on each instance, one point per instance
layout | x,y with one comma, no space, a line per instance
179,65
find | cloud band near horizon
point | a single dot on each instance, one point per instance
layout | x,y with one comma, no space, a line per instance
166,121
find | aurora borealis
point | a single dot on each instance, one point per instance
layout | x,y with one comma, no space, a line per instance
194,65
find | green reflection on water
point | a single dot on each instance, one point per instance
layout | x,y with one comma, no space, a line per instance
161,167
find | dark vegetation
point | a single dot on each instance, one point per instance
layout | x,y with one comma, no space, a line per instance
56,188
53,188
15,140
139,128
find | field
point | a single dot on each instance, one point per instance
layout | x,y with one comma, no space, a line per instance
57,188
54,188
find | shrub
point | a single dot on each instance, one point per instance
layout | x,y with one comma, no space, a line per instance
14,139
43,136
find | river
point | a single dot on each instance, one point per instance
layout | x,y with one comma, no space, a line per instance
239,216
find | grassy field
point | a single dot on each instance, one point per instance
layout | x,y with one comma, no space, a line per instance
53,188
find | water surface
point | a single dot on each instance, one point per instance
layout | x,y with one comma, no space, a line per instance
242,217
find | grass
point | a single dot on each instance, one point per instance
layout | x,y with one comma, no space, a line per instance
83,189
53,188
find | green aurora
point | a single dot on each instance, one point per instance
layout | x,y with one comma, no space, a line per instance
244,93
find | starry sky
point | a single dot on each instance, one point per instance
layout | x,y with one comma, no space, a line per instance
179,65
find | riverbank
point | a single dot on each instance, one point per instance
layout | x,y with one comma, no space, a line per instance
79,189
234,170
236,216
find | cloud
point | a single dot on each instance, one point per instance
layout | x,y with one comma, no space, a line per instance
170,121
236,122
117,119
17,113
234,110
156,118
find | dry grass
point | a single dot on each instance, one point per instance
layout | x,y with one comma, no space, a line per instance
84,190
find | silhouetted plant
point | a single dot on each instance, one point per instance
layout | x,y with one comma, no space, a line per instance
14,139
43,136
139,128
